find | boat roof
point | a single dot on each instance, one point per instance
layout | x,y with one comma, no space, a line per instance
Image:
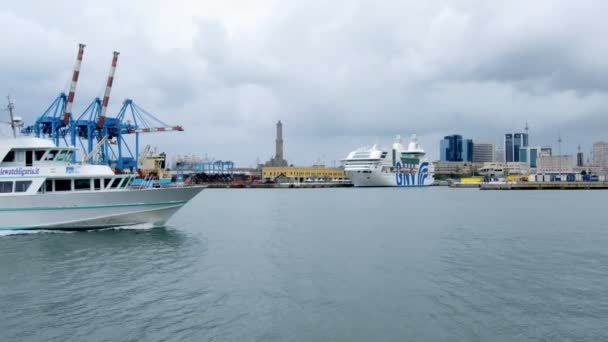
26,143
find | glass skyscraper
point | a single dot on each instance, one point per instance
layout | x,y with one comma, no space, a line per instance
455,148
513,143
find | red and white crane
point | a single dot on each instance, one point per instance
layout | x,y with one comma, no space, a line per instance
68,107
106,95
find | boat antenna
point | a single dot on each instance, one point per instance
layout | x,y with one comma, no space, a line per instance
10,107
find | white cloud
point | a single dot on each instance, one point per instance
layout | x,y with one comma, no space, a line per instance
339,74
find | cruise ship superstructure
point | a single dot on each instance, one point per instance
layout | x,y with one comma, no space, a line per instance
397,167
40,188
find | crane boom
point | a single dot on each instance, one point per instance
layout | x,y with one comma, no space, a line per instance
106,95
68,108
156,129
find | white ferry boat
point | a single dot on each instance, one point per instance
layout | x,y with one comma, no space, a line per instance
41,189
400,167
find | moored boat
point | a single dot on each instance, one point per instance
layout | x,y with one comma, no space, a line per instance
397,167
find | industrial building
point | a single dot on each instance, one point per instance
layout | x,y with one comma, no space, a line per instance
563,164
447,170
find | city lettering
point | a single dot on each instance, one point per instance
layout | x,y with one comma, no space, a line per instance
19,171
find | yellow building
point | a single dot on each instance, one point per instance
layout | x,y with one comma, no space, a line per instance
302,173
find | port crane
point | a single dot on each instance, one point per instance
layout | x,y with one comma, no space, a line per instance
101,138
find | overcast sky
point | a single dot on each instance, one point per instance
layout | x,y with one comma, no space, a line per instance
339,74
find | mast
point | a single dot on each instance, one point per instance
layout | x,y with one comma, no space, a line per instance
10,108
68,107
106,95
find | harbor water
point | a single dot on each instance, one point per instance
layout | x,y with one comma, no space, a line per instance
344,264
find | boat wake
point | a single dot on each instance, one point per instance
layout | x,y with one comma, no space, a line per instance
24,232
143,226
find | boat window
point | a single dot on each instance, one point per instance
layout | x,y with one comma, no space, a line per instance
126,182
48,185
51,155
97,184
82,184
61,156
6,187
63,184
38,155
20,156
10,157
115,183
29,158
22,186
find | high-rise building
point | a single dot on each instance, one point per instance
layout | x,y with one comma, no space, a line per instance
529,155
513,143
580,158
278,159
600,154
499,154
451,148
467,150
455,148
483,152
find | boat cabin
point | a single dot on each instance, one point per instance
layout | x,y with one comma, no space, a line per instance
37,166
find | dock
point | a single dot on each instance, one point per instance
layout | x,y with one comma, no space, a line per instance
545,186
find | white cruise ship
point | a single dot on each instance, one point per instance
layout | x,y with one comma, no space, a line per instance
400,167
41,189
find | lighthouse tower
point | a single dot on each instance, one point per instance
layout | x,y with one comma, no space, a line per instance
278,159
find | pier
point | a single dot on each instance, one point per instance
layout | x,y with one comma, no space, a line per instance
545,186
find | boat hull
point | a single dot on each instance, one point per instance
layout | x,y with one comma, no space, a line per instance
93,210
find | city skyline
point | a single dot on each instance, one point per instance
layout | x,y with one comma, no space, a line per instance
339,75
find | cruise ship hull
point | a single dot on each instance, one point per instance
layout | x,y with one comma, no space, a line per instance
93,210
386,179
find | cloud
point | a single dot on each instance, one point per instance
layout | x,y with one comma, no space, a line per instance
339,74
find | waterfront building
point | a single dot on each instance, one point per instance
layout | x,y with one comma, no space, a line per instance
492,169
278,159
483,152
302,174
600,154
453,148
448,169
497,169
513,143
548,164
517,168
